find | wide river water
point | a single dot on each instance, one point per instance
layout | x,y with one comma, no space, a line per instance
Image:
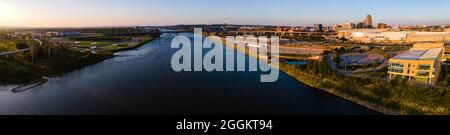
141,81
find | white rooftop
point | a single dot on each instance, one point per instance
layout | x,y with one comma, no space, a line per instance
428,54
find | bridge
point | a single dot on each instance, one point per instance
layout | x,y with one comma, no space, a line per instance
13,52
17,51
174,31
280,33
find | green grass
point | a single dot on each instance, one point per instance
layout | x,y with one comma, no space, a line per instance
91,35
7,45
16,71
119,46
129,45
69,61
87,44
10,44
390,97
19,69
376,74
101,38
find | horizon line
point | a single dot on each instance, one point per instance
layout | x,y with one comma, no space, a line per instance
115,26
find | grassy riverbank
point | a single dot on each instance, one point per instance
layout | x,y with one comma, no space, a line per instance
129,46
16,71
20,70
394,97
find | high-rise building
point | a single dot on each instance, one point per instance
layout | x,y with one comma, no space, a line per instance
382,26
368,21
318,27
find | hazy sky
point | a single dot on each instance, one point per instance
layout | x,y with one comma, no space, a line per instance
65,13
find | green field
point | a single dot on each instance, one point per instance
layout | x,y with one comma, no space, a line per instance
108,45
24,67
10,44
129,45
6,45
87,44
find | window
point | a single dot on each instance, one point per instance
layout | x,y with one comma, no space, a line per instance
423,74
396,70
424,67
397,65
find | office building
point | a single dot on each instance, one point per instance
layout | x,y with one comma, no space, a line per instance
318,27
421,63
368,22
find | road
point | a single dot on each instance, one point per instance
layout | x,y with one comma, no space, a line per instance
333,66
12,52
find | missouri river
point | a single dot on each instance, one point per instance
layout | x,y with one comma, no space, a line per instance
141,81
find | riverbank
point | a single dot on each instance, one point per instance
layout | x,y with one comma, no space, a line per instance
22,74
305,78
387,97
104,88
393,97
134,46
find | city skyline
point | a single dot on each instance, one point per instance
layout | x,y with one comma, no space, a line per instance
76,13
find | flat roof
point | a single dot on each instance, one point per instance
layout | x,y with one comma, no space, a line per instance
428,54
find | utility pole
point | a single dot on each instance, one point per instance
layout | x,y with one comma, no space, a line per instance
49,49
32,54
345,66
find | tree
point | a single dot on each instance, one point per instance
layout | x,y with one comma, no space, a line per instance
22,45
3,34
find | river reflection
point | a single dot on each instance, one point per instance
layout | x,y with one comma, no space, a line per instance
141,81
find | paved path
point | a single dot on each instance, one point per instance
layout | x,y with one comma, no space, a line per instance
12,52
333,66
23,50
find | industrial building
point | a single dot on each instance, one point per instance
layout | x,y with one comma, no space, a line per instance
386,36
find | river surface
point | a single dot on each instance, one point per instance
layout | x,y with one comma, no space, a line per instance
141,81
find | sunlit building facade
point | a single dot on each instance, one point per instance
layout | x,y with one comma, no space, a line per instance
420,63
386,36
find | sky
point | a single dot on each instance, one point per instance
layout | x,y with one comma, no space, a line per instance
86,13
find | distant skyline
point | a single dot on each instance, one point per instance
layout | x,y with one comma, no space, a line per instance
87,13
